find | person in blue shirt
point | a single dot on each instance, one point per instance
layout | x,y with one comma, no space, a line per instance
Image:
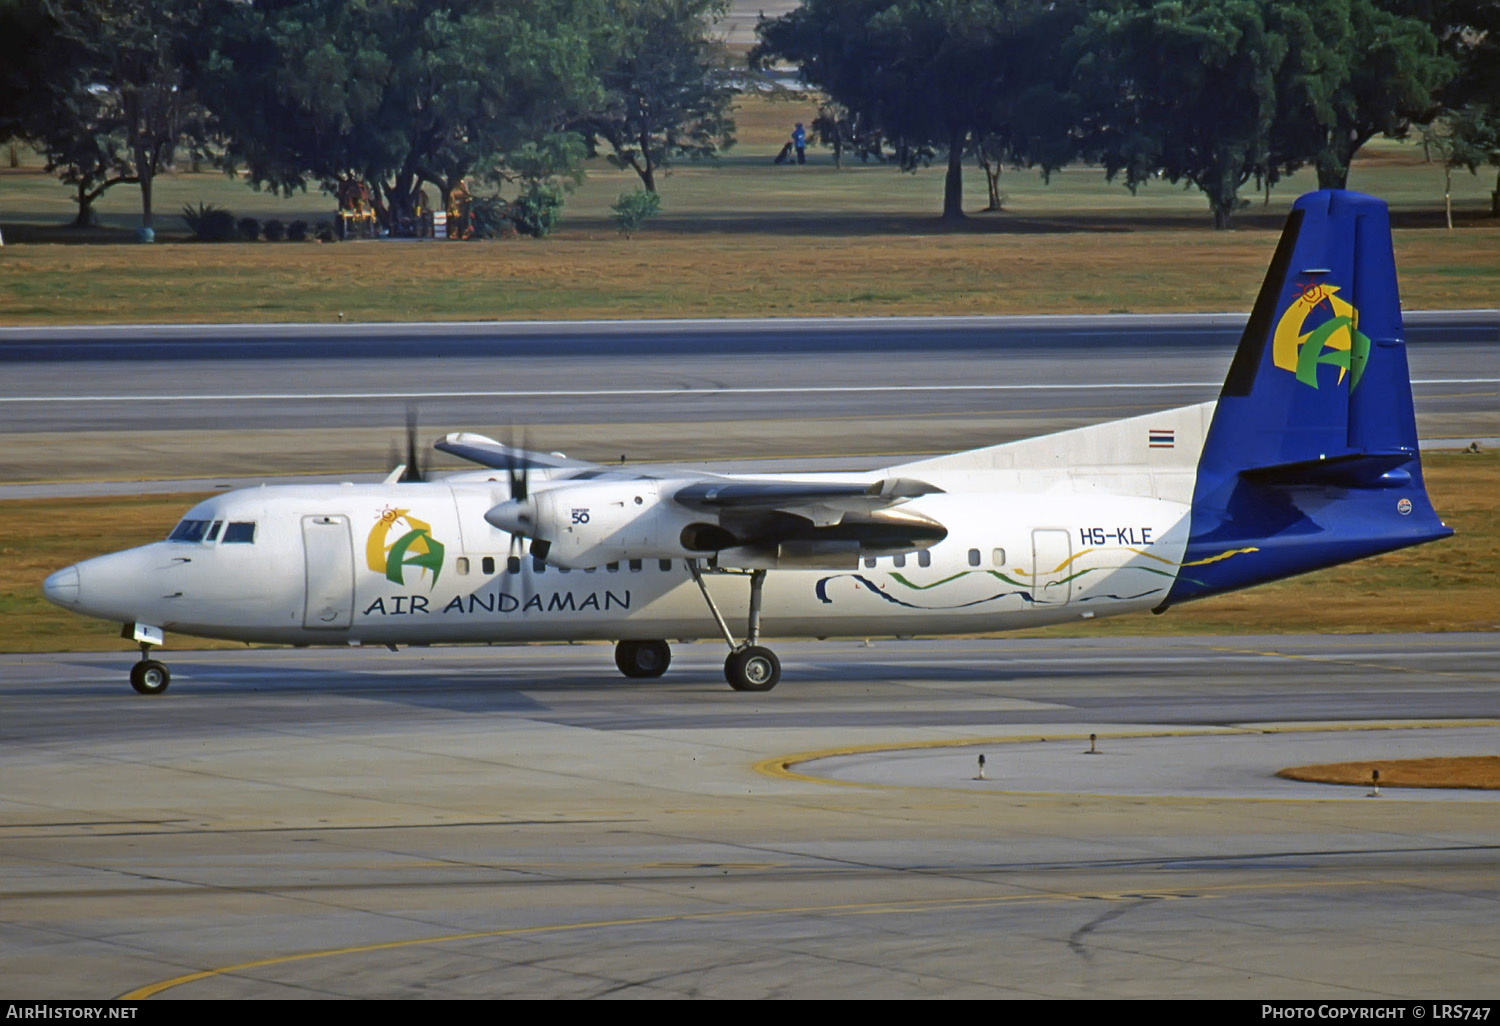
799,140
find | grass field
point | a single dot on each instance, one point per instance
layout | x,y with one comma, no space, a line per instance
1447,586
738,237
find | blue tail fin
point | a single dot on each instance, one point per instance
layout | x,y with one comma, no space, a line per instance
1311,458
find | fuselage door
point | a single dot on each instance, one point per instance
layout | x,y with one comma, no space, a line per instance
1051,567
330,572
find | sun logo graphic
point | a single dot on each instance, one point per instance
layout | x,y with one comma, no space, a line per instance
1333,339
416,547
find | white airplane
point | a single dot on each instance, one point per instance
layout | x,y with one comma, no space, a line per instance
1307,459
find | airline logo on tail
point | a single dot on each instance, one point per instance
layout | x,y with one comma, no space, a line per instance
1333,338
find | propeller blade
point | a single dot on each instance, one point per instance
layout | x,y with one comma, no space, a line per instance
518,475
414,468
516,467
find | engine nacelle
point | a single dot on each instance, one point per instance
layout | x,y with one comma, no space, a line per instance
589,524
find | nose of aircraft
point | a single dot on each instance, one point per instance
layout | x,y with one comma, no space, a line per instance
62,587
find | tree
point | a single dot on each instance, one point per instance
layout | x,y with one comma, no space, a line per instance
668,90
25,64
1469,31
1373,70
45,98
931,77
121,101
81,134
1184,89
1466,138
398,94
842,130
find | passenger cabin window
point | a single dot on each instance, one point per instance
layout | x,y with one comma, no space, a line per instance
635,564
997,556
462,564
899,559
973,557
612,568
665,564
239,532
924,558
513,564
538,565
869,562
487,565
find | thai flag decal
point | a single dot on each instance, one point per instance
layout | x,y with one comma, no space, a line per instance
1158,438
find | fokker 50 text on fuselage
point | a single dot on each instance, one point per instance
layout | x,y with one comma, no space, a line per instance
1307,459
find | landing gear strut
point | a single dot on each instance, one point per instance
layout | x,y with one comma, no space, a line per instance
148,676
750,666
643,659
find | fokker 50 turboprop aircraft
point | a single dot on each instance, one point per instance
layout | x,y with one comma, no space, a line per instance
1308,459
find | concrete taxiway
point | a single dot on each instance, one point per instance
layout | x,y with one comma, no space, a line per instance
483,822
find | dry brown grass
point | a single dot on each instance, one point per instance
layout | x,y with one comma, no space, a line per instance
697,274
1469,771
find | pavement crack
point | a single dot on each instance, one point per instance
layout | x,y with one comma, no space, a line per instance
1076,941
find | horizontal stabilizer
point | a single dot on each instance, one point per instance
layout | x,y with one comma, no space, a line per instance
1357,470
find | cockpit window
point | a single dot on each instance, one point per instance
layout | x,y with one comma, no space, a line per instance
189,531
241,531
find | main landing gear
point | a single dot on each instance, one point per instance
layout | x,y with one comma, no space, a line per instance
643,659
750,666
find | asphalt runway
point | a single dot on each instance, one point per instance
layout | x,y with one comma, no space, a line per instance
112,403
487,822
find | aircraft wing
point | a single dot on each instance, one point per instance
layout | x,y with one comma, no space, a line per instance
706,492
586,514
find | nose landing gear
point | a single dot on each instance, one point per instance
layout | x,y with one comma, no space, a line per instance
148,677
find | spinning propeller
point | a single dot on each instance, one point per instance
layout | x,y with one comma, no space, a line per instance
413,468
518,515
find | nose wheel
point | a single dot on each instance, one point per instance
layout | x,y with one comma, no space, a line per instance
150,677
